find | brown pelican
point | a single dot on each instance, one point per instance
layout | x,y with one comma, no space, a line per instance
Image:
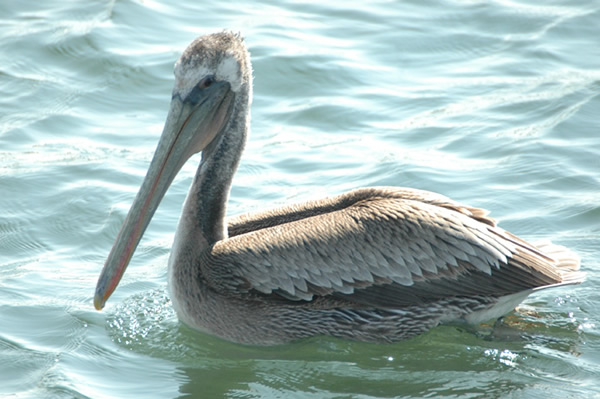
376,264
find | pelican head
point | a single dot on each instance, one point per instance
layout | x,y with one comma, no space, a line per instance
212,76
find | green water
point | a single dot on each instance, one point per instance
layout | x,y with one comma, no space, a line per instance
492,103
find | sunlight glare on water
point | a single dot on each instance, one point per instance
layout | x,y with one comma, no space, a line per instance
494,104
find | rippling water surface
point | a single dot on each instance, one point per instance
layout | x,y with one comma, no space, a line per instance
493,103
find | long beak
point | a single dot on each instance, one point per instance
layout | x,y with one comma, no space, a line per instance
192,123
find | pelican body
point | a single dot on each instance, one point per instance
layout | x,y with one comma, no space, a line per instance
376,264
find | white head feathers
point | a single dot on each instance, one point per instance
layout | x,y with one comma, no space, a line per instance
222,55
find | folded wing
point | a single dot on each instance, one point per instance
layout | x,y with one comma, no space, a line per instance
384,247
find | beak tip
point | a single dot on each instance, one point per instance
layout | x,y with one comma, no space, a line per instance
99,302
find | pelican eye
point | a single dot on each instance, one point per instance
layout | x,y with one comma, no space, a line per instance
206,82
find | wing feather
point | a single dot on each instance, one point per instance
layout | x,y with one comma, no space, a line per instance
378,246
